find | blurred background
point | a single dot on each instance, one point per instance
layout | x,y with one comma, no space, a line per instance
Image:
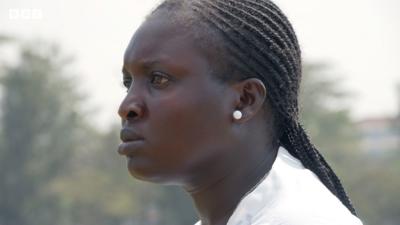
60,87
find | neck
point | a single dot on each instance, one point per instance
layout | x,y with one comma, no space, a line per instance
220,192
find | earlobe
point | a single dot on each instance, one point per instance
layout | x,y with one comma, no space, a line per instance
251,94
237,115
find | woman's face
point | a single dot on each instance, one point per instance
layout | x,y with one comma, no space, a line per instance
182,115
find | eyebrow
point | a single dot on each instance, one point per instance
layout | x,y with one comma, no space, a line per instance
146,64
125,73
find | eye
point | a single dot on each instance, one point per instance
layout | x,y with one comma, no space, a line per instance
127,82
159,80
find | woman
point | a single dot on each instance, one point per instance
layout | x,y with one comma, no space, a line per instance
212,107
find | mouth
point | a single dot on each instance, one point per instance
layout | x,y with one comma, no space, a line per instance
131,142
130,148
129,135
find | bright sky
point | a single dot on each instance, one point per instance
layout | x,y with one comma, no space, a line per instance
359,38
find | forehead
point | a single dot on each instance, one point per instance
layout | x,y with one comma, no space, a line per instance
158,39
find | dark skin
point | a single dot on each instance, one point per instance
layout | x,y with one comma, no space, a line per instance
183,118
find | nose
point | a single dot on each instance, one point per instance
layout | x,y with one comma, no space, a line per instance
131,108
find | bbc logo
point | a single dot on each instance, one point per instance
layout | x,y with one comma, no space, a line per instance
25,14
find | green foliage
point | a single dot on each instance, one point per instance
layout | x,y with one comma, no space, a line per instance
39,124
329,125
369,180
376,189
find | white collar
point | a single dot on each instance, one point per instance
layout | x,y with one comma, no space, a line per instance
265,190
288,185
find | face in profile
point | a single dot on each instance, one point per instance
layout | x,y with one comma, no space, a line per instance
175,117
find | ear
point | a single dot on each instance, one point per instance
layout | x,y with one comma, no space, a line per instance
250,97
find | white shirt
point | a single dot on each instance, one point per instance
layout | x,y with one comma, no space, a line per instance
291,195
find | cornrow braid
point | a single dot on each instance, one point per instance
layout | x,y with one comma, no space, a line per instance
260,42
248,50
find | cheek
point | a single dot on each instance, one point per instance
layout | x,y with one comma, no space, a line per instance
186,127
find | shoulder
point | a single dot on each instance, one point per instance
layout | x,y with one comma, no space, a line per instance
300,198
302,211
304,217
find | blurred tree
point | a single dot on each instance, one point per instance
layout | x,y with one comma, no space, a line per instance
95,188
376,189
4,39
325,113
370,182
397,123
39,123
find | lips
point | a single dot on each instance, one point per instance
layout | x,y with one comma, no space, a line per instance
131,142
128,135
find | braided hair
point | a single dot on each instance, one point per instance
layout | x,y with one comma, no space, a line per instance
258,41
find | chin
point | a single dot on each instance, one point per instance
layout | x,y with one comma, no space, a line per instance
150,175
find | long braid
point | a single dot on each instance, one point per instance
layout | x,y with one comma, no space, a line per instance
260,42
316,162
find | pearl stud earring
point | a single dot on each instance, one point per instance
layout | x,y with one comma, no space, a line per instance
237,114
